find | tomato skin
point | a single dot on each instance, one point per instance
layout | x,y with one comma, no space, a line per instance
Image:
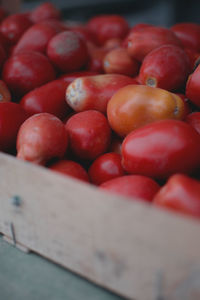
112,44
134,106
105,27
166,67
143,41
118,61
106,167
194,120
48,98
161,149
193,58
89,134
37,36
70,168
25,71
189,35
135,186
44,12
96,57
67,51
181,194
12,115
40,138
94,92
193,87
14,26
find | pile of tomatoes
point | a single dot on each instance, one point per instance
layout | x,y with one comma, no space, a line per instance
114,106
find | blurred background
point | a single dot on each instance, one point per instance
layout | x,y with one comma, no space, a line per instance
157,12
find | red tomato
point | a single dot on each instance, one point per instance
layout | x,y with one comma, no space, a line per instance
106,167
25,71
166,67
161,149
188,34
135,186
48,98
181,194
94,92
14,26
70,168
194,120
96,57
12,115
118,61
37,36
105,27
44,12
143,41
41,138
89,134
67,51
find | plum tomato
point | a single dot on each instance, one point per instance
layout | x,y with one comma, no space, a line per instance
118,61
5,95
193,87
67,51
25,71
135,186
161,149
70,168
180,194
166,67
105,27
41,138
143,41
89,134
107,166
44,12
134,106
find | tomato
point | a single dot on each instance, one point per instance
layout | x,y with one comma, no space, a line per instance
193,87
96,57
89,134
37,36
41,138
105,27
94,92
194,120
112,44
12,115
48,98
137,105
135,186
105,167
25,71
166,67
67,51
143,41
118,61
44,12
180,194
14,26
161,149
70,168
189,34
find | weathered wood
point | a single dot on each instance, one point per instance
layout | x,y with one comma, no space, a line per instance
129,247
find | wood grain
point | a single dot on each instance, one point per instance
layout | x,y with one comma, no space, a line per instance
129,247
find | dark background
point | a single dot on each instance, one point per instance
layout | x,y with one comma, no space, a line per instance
157,12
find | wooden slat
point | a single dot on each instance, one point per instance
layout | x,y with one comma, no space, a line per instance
126,246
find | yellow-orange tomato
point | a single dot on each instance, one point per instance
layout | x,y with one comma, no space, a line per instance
134,106
5,95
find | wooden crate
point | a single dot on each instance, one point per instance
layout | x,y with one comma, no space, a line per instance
133,249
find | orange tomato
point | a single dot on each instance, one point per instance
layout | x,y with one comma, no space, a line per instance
134,106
